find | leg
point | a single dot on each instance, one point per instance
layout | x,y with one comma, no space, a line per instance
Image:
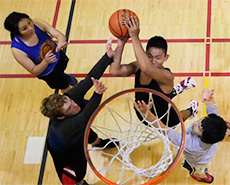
191,111
101,143
183,85
78,164
185,114
66,175
192,107
199,174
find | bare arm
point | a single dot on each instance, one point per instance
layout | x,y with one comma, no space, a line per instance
145,110
118,69
23,59
162,76
52,31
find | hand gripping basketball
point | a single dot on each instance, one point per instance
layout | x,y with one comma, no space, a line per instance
117,23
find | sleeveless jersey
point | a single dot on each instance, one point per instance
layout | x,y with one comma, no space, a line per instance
160,104
37,52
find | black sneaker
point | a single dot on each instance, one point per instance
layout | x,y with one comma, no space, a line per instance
107,143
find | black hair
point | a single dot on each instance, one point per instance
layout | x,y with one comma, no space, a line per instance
11,23
157,42
214,129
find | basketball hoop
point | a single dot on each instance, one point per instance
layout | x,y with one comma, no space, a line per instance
145,155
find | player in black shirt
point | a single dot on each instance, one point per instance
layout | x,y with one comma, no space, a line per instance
69,115
150,72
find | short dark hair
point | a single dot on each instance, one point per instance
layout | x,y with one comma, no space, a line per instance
11,23
157,42
214,129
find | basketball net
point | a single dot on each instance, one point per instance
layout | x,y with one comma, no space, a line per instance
132,134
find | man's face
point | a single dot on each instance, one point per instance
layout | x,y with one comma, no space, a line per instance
70,108
197,128
157,56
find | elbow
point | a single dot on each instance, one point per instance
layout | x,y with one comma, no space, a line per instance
114,72
34,72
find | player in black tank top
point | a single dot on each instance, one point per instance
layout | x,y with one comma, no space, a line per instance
149,70
160,104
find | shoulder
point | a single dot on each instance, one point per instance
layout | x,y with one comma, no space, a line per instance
38,21
16,42
71,93
17,51
168,74
41,24
192,142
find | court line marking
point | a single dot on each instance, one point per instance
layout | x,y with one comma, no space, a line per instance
92,41
107,75
34,150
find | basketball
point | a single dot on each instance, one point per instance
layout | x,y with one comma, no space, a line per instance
116,23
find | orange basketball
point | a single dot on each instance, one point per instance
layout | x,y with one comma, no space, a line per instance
116,23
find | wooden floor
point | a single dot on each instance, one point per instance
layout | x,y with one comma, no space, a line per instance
198,37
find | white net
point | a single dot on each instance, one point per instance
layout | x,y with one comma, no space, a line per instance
144,151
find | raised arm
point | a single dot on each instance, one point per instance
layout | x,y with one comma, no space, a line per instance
207,96
145,110
162,76
83,117
118,69
79,90
54,32
208,99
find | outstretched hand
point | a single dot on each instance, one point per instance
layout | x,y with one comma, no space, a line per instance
207,94
110,51
142,106
99,87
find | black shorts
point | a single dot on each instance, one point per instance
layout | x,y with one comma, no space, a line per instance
57,78
74,158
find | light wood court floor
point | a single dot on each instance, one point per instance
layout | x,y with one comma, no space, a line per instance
198,37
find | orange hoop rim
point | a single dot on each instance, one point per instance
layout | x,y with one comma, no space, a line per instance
146,90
